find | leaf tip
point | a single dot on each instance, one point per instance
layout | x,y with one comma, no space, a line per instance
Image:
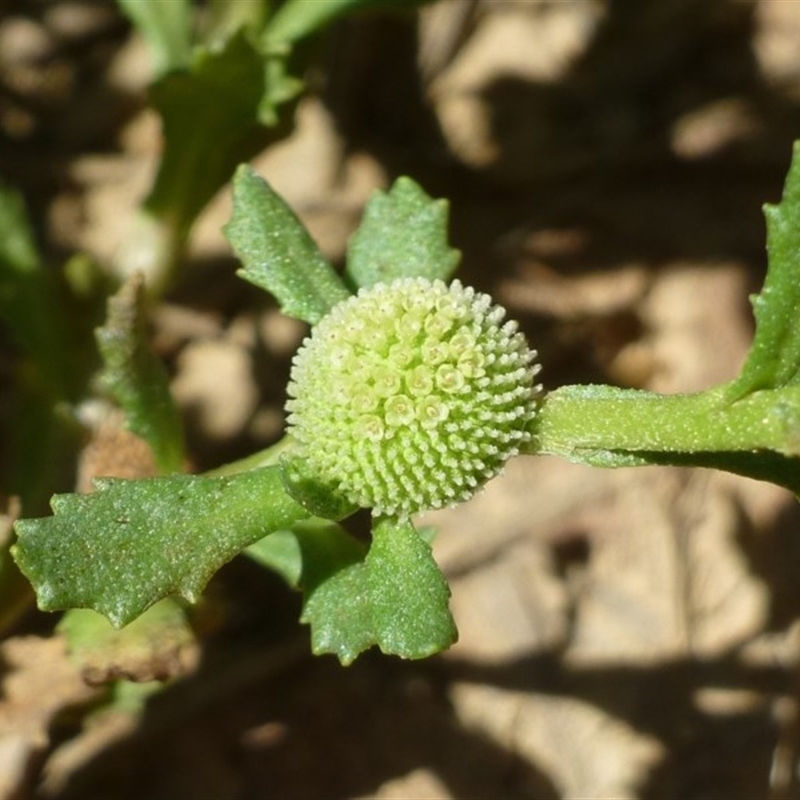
243,172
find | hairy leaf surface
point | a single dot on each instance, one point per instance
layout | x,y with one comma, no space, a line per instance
403,234
136,377
133,542
277,252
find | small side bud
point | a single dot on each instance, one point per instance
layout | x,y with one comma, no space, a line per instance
317,498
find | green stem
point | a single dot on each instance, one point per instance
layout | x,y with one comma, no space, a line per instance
263,458
606,426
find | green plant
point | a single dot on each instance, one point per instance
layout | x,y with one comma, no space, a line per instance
223,89
374,425
408,396
226,75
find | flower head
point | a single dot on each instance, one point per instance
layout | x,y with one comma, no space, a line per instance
411,395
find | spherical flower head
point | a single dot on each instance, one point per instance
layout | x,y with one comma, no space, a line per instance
410,395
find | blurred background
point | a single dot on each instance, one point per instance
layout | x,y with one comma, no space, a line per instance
629,633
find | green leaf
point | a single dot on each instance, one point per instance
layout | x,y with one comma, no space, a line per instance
340,614
210,123
148,649
136,377
403,234
321,558
410,595
309,553
280,87
26,302
131,543
750,426
774,358
280,552
277,253
167,29
18,251
34,435
213,117
393,596
396,598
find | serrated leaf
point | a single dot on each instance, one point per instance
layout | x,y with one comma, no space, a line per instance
320,558
403,234
410,595
774,358
340,614
392,595
396,598
277,253
133,542
149,649
167,29
136,377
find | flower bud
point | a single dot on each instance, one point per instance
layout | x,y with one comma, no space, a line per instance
410,395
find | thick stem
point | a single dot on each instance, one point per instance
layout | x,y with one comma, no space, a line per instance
604,425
